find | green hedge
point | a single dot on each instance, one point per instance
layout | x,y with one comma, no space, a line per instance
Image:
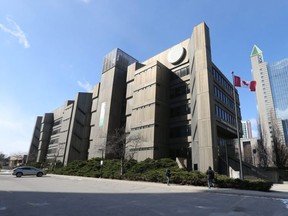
259,185
154,171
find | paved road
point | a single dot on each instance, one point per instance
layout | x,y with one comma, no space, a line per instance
79,196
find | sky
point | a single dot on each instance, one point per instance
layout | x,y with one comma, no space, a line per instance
52,49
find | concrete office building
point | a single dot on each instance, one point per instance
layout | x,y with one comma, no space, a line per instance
33,151
108,108
178,101
63,135
271,92
246,129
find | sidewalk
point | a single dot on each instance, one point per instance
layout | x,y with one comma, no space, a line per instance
5,172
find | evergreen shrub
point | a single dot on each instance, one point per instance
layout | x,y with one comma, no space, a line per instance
154,171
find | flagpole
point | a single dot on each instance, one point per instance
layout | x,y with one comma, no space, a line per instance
237,128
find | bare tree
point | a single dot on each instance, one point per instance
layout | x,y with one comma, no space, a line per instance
280,150
262,149
2,159
275,155
122,145
2,156
55,159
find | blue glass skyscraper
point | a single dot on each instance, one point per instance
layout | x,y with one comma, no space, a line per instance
278,75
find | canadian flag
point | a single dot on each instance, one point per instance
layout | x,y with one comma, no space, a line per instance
242,83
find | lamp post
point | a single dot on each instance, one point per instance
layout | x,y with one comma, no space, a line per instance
101,162
195,142
254,152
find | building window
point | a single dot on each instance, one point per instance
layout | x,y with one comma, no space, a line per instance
180,110
223,82
180,90
225,116
180,131
180,73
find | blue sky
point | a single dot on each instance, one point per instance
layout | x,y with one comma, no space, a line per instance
50,50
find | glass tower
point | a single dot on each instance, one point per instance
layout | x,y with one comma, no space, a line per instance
278,75
247,129
271,92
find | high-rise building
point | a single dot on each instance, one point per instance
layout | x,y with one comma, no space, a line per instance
246,129
271,93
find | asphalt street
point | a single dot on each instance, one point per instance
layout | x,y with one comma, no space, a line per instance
73,196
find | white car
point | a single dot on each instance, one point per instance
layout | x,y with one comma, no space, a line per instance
27,170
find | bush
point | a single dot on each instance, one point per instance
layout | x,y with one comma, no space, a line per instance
259,185
154,171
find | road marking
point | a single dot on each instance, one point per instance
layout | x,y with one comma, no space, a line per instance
285,201
3,208
38,204
203,207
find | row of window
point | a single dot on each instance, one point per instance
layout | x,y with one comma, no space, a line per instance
56,131
180,73
52,151
223,97
180,131
219,77
145,87
145,106
180,90
54,141
142,127
57,122
227,117
180,110
143,149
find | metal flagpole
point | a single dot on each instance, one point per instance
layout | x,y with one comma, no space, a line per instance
237,127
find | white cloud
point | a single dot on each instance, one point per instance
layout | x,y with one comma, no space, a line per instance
15,31
85,85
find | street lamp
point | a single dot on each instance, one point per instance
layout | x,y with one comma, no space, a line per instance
101,162
254,152
195,142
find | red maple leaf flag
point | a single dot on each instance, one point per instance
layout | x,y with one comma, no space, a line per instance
238,82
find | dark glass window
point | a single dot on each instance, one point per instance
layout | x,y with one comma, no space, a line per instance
180,73
180,110
180,90
180,131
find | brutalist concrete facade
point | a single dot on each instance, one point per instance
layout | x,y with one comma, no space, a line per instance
178,102
64,133
108,109
33,150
